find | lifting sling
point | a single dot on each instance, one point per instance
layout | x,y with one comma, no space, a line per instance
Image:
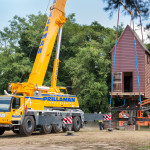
134,50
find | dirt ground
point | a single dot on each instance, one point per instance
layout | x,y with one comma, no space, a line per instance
89,138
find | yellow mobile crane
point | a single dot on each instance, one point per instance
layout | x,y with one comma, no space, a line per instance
34,107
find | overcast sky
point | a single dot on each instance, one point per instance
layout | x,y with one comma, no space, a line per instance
86,11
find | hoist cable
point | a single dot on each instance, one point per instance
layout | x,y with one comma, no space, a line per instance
113,72
36,35
141,28
40,25
139,12
118,22
137,70
47,6
115,54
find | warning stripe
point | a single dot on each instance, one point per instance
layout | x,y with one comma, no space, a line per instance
67,120
107,117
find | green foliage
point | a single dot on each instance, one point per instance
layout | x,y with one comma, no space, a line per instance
88,72
13,68
142,5
84,57
30,38
19,44
148,46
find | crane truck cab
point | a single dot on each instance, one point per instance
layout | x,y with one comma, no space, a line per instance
9,113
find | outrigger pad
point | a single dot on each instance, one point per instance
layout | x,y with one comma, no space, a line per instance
110,129
70,133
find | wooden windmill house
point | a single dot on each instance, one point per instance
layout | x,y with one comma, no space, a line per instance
125,83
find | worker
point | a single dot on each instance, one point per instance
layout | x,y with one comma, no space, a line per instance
101,124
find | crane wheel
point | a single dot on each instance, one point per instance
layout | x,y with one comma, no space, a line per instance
46,129
27,126
76,124
2,130
55,128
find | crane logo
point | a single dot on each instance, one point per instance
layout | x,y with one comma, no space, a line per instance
59,99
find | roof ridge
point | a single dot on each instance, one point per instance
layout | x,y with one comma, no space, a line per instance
136,36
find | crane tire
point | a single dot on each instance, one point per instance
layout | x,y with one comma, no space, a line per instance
46,129
2,130
55,128
76,124
27,126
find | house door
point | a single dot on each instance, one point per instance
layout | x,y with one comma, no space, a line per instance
128,82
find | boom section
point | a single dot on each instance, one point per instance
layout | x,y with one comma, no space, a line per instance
55,21
56,62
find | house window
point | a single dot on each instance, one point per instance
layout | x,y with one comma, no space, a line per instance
118,76
117,85
148,59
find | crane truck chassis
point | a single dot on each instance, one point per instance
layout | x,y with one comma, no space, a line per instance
23,119
19,114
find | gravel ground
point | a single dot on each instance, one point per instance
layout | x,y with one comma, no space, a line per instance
89,138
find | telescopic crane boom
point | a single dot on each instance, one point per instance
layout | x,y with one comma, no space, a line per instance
55,21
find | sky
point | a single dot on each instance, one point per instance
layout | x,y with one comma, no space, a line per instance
86,11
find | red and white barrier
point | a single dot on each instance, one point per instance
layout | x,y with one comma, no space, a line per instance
107,116
67,120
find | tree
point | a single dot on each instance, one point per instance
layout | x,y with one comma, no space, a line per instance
31,35
148,46
13,68
88,72
17,42
142,5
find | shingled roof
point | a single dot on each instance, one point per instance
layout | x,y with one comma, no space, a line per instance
136,36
